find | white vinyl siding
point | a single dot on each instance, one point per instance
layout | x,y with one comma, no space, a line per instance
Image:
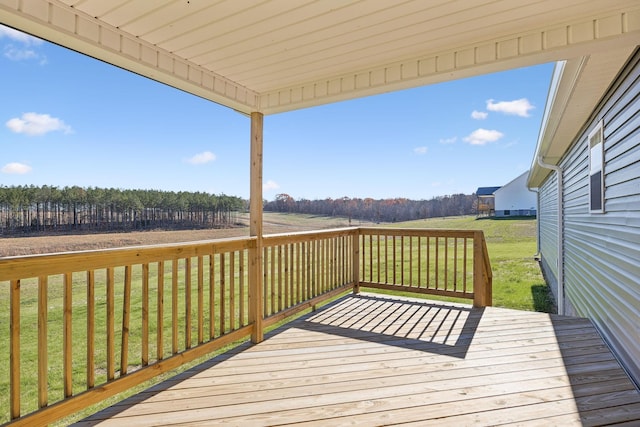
548,229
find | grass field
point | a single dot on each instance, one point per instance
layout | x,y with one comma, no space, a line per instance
517,281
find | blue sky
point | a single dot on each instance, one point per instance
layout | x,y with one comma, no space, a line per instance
67,119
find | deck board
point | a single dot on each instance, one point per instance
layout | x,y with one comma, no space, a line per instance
378,360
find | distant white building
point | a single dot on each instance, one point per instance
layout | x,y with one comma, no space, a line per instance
515,199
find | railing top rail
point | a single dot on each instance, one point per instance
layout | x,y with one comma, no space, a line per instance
19,267
292,237
435,232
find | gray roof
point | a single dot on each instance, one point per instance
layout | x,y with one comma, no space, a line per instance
486,191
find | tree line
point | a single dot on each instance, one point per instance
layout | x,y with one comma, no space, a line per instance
383,210
49,208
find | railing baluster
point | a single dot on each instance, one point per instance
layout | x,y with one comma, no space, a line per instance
232,291
385,242
446,263
394,248
43,353
305,271
428,274
265,280
174,306
377,257
410,261
126,316
14,345
67,336
187,302
241,272
455,264
145,315
287,291
464,268
402,282
160,313
278,253
111,347
419,258
200,299
437,260
212,296
223,291
299,273
272,280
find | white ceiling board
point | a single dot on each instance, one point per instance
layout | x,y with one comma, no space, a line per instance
278,55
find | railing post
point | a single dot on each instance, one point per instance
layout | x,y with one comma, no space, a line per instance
255,229
479,281
355,254
487,274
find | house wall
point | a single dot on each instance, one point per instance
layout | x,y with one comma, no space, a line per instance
548,232
602,250
515,199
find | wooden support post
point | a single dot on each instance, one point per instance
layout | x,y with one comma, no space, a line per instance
481,291
478,288
255,229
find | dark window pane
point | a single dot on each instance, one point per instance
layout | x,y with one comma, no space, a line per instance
596,191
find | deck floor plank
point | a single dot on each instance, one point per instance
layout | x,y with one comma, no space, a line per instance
378,360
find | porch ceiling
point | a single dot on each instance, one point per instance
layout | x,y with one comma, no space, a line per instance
278,55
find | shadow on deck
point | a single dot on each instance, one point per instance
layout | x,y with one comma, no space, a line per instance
376,360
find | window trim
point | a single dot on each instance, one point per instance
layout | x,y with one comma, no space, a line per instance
596,166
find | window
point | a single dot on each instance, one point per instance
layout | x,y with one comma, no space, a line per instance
596,170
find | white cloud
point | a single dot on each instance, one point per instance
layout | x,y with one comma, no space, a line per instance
270,185
421,150
479,115
451,140
202,158
519,107
16,168
33,124
24,51
483,136
18,36
16,54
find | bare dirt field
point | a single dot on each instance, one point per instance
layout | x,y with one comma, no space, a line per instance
273,223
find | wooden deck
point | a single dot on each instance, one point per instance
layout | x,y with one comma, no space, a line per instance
376,360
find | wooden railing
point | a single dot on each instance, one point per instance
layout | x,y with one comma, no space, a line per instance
453,263
301,270
79,327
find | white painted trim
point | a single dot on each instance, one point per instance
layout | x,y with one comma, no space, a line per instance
599,129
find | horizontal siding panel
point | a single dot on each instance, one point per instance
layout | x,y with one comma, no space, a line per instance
626,188
623,109
609,240
612,104
622,154
609,287
625,204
